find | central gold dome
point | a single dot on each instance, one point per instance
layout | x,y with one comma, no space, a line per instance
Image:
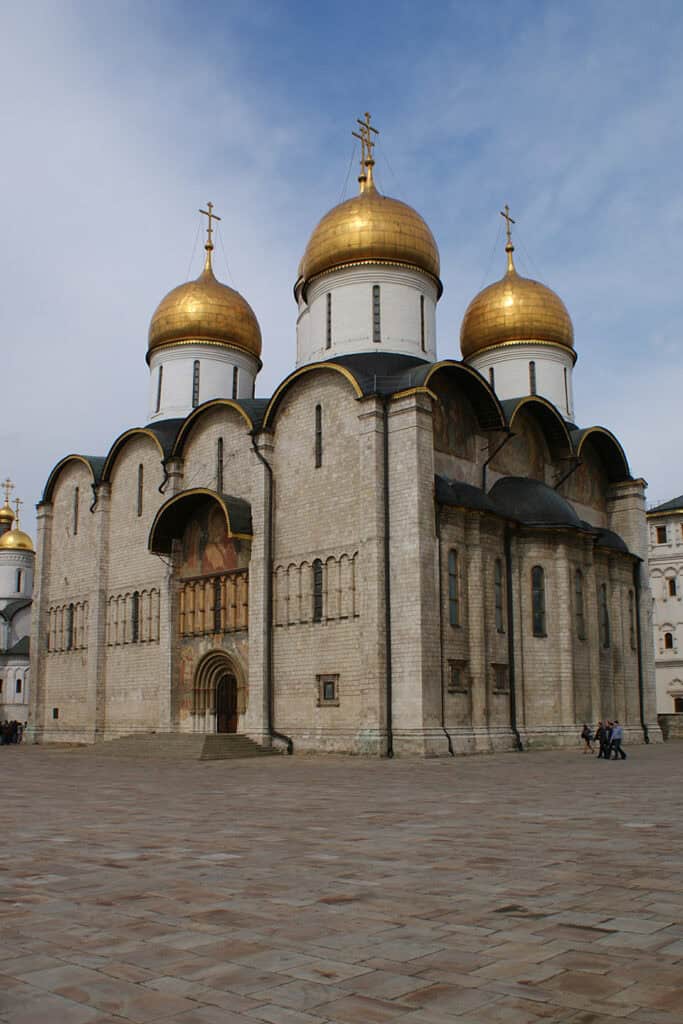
370,228
205,312
513,311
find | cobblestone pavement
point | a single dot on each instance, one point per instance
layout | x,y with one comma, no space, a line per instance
511,888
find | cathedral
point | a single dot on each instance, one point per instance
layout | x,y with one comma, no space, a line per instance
17,558
392,554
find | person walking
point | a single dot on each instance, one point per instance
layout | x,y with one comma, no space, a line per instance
617,737
587,737
601,737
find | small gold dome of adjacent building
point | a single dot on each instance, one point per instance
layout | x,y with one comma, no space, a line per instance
515,310
370,228
16,540
205,311
6,515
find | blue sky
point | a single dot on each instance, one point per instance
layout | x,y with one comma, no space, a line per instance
119,120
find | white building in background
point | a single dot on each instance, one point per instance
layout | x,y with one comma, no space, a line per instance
666,580
17,562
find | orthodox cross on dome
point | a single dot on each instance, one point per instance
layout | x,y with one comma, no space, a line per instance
8,487
509,248
209,233
17,505
212,216
367,144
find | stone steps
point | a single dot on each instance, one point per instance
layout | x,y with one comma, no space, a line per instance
181,747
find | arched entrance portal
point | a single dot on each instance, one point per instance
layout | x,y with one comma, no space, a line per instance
218,694
226,704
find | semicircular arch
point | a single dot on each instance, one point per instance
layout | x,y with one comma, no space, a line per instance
608,449
288,382
93,464
119,445
485,402
171,518
198,414
548,418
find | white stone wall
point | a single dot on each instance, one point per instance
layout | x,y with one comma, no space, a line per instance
510,364
12,562
666,564
216,366
352,314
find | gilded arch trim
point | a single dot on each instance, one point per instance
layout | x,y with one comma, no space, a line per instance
609,449
196,414
93,463
120,443
279,394
549,418
487,406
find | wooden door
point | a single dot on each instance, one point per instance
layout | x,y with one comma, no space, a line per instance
226,704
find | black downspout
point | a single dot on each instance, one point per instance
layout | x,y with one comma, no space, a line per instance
268,603
511,640
437,517
508,437
639,642
387,579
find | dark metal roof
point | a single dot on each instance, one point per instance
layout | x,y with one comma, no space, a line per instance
166,431
610,539
171,519
383,373
22,646
12,607
255,409
95,463
532,503
674,505
462,495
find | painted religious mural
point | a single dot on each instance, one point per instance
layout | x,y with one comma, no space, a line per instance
206,547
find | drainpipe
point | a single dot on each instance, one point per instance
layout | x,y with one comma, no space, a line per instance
268,604
511,638
641,692
387,578
437,517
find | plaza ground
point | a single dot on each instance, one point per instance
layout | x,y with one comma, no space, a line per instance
509,888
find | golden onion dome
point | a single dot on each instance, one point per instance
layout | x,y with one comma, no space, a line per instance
16,540
6,515
205,312
370,228
515,311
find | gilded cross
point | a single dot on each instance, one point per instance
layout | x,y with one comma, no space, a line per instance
508,221
9,487
17,505
365,136
212,216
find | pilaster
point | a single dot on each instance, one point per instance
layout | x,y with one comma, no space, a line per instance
260,596
97,618
39,627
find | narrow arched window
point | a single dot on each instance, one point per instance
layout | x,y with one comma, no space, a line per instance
20,580
669,641
328,323
159,380
318,436
423,340
532,378
195,384
235,381
75,511
498,594
376,314
538,601
632,619
453,589
578,605
671,583
604,616
217,607
69,628
135,618
492,377
141,485
317,591
219,465
566,391
17,688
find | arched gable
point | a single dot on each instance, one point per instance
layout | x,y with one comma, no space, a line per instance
484,402
200,413
120,443
609,450
549,419
171,519
284,388
93,463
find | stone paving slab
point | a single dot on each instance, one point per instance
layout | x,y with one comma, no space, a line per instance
513,888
